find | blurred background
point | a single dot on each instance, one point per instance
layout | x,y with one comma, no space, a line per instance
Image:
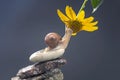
90,56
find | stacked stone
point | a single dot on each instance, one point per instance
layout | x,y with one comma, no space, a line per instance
47,70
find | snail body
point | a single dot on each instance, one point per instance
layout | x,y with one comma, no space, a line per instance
43,55
56,46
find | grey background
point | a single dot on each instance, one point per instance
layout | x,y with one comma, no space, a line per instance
90,56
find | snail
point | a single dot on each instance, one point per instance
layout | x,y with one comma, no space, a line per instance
56,46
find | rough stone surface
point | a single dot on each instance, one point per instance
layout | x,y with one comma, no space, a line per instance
48,70
54,74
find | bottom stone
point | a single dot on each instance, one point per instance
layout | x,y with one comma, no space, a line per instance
54,74
48,70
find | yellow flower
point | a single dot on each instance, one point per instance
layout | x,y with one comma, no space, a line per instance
77,22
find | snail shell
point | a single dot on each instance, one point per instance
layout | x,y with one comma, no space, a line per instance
52,39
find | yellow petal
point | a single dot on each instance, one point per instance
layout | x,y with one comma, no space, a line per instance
91,24
73,14
62,16
94,23
89,19
89,29
81,15
70,13
74,34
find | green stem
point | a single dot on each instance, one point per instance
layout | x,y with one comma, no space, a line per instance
83,6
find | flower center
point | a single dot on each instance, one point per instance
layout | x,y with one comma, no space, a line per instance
76,26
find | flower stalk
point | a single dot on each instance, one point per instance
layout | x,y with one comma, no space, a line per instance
83,6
